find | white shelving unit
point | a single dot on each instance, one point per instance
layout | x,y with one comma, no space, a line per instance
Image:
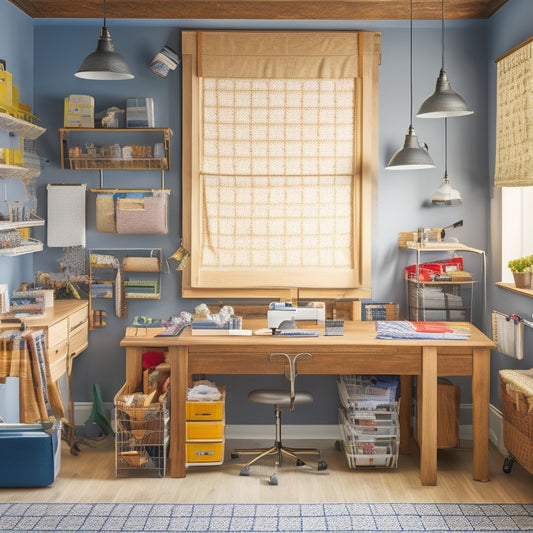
31,131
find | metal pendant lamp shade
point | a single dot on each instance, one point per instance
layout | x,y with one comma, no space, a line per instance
412,156
104,63
444,102
446,195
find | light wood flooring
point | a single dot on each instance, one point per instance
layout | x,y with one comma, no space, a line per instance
90,477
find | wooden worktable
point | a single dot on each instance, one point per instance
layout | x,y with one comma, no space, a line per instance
356,352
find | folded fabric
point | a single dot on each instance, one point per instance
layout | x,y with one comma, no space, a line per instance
403,329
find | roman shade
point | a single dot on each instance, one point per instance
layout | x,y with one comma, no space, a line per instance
514,117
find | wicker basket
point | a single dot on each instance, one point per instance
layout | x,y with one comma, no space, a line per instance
517,421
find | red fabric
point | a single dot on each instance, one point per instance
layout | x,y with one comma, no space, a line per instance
151,359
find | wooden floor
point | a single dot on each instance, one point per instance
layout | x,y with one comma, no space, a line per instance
90,477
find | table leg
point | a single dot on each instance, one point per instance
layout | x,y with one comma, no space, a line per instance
480,412
427,416
178,356
405,414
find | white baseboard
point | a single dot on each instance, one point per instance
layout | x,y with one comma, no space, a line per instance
82,412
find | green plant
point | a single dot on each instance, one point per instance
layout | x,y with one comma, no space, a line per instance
521,264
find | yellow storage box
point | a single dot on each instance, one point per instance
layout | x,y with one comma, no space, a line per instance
204,430
210,410
205,452
6,89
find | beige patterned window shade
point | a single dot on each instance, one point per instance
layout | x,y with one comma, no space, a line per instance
514,118
278,176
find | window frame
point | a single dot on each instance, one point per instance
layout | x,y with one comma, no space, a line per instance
369,45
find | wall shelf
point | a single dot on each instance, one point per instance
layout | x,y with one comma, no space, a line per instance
32,222
25,129
27,246
105,153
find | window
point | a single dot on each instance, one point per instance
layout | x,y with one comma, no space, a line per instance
517,221
514,152
277,173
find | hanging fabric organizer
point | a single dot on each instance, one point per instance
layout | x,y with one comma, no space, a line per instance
132,211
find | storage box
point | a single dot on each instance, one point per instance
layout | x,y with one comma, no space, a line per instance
140,113
31,456
6,89
79,111
448,405
516,392
205,452
210,410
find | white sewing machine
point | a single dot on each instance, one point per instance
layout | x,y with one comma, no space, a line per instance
278,312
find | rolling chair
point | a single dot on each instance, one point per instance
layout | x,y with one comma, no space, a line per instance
281,399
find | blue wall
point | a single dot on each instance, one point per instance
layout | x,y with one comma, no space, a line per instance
16,48
60,46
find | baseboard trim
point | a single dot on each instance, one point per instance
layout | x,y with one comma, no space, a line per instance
82,413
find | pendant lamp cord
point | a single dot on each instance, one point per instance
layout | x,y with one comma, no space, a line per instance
104,15
442,31
445,148
411,67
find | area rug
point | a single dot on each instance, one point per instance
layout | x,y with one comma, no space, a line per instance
337,517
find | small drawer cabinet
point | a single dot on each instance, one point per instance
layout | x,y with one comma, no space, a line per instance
205,429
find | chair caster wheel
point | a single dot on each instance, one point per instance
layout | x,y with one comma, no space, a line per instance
244,471
299,462
322,465
273,480
234,455
507,465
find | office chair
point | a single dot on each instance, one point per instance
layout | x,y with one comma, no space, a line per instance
281,399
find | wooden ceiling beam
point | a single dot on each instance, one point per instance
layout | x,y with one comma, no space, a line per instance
261,9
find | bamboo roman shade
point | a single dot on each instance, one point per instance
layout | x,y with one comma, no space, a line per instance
283,55
514,118
276,161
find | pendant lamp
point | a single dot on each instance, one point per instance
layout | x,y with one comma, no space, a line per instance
445,195
444,102
104,63
411,156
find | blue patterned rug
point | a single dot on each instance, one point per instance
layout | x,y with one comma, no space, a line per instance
338,517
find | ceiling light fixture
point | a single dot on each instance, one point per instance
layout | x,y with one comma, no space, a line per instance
444,102
411,156
445,195
104,63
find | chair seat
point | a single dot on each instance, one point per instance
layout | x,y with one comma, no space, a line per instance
279,397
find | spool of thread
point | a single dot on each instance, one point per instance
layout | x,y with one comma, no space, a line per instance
164,61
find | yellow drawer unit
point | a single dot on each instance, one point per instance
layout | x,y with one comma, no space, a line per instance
210,410
205,452
204,430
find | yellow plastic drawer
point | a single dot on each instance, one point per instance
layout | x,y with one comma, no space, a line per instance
204,430
205,452
213,410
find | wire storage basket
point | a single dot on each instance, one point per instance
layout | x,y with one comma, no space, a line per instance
142,438
516,392
368,420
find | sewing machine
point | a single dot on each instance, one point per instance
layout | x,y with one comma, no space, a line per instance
279,312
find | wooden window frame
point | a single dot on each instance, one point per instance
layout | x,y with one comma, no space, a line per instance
366,146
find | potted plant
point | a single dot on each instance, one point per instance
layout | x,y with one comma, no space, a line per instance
522,267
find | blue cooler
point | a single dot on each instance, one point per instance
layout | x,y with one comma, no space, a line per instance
29,455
